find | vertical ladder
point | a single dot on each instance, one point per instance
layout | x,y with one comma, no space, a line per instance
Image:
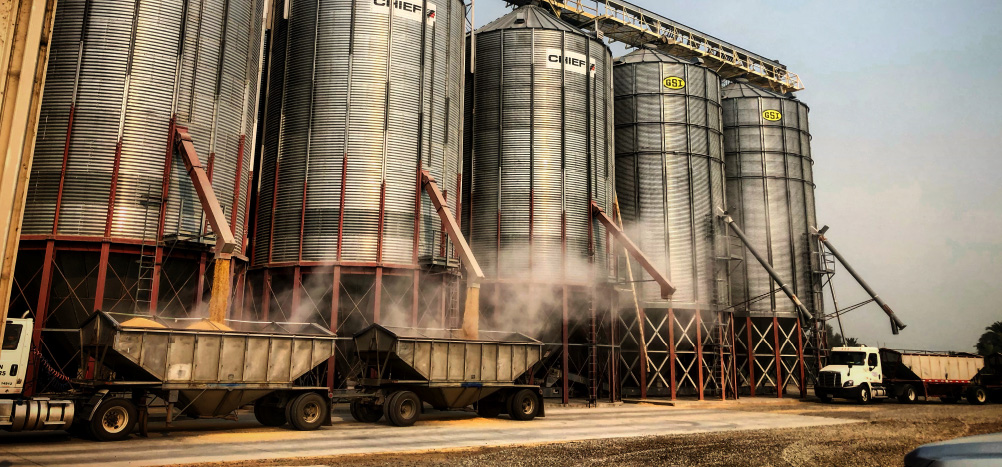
147,256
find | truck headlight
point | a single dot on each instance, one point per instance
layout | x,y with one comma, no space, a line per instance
848,384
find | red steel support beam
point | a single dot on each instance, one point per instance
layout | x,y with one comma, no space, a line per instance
779,362
751,357
297,292
41,314
378,295
800,361
236,186
335,309
266,294
162,220
643,354
699,349
564,348
673,384
415,298
667,289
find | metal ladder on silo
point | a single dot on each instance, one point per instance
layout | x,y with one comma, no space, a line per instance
720,346
147,260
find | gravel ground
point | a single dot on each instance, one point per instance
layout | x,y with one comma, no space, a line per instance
888,432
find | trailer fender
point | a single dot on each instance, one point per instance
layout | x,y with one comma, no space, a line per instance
90,407
542,405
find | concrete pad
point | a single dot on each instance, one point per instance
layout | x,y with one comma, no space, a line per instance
211,440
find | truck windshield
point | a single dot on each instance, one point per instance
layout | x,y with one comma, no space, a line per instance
847,358
11,336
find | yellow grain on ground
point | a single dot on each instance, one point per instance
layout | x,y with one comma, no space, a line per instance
139,322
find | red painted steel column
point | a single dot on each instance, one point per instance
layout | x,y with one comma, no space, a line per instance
297,291
378,295
41,313
161,223
671,352
800,358
643,356
751,357
565,347
734,358
238,295
102,266
699,349
265,294
200,287
779,359
335,309
236,187
415,296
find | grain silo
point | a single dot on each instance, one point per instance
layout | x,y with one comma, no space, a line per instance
112,220
670,182
540,153
770,196
361,98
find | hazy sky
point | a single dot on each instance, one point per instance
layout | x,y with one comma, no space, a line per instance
906,118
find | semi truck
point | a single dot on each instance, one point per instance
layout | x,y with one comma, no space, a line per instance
868,373
194,368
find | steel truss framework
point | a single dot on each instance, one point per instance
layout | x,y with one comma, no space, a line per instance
688,352
770,356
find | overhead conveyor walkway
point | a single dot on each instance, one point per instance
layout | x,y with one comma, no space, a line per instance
635,26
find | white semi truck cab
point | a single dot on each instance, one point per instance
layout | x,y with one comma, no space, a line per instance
19,413
852,373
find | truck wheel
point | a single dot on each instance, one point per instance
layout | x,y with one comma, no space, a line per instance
113,420
307,411
524,405
366,413
489,408
270,415
864,395
907,395
977,395
403,408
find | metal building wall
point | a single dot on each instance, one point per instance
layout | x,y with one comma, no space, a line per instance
539,153
670,182
112,220
770,194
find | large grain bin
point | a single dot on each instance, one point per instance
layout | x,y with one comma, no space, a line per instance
107,198
542,139
362,95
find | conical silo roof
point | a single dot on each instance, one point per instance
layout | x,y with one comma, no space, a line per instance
733,90
529,17
650,55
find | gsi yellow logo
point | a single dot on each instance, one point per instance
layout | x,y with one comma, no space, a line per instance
674,82
772,115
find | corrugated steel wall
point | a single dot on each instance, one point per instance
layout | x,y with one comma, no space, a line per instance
353,86
670,174
541,149
125,68
770,194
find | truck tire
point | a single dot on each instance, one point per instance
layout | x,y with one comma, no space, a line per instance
366,413
908,394
864,395
524,405
270,415
113,420
403,408
977,395
307,411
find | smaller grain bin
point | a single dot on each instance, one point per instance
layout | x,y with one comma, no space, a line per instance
770,195
670,174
